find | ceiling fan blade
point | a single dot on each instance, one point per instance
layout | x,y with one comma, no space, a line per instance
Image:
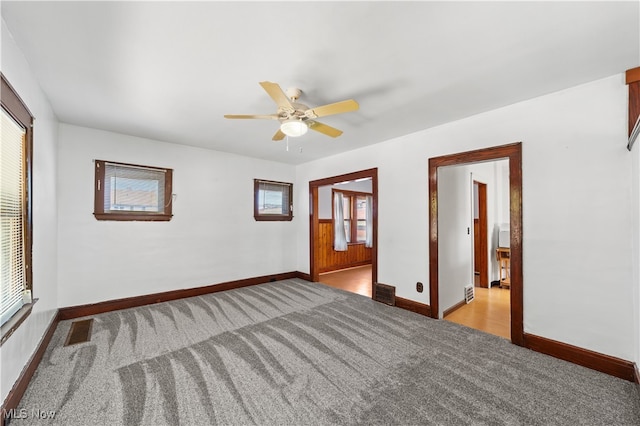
278,136
331,109
323,128
268,117
277,94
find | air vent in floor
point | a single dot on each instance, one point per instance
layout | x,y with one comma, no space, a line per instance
385,294
80,332
469,293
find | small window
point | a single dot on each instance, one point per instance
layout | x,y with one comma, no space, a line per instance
272,200
132,192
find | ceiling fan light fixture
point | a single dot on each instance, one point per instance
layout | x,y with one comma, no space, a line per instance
294,128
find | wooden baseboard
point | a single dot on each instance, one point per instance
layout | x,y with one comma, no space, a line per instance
454,308
20,386
303,276
596,361
413,306
148,299
637,373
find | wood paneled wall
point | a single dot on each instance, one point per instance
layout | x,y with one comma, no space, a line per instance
331,260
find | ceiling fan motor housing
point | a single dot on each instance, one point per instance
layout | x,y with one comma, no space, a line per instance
293,93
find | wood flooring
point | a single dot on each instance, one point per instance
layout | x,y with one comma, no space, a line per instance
490,311
356,280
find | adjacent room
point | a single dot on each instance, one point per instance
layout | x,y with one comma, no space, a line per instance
368,212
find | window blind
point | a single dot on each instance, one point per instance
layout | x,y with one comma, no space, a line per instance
133,188
274,198
12,216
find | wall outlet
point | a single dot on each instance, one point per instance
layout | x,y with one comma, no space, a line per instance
419,287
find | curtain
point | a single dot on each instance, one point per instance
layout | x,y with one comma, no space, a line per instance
369,235
339,235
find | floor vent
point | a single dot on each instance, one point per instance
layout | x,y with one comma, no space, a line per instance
80,332
469,293
385,294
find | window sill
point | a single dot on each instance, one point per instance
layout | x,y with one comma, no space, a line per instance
14,322
273,218
134,217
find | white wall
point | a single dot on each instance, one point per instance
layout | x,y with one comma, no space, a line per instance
576,209
635,254
17,350
502,191
455,241
212,237
455,226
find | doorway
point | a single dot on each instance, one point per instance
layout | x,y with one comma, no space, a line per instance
512,152
317,243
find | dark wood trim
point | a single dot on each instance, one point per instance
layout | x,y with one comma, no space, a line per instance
633,80
513,152
314,230
483,233
314,220
634,105
148,299
99,188
132,217
637,373
14,104
632,75
20,386
16,108
362,174
596,361
9,327
325,220
413,306
454,308
303,276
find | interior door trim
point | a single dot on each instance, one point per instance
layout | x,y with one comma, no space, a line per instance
512,152
314,220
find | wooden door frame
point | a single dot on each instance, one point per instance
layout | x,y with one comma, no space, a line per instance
314,219
512,152
483,231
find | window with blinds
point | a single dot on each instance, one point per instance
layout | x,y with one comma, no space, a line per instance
12,210
132,192
272,200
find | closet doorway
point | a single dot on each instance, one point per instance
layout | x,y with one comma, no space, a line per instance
354,267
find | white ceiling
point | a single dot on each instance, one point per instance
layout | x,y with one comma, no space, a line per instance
169,71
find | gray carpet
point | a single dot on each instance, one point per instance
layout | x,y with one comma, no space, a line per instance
297,353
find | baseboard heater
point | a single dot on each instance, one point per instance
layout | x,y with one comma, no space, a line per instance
384,293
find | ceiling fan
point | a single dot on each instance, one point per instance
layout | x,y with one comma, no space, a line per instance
295,118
